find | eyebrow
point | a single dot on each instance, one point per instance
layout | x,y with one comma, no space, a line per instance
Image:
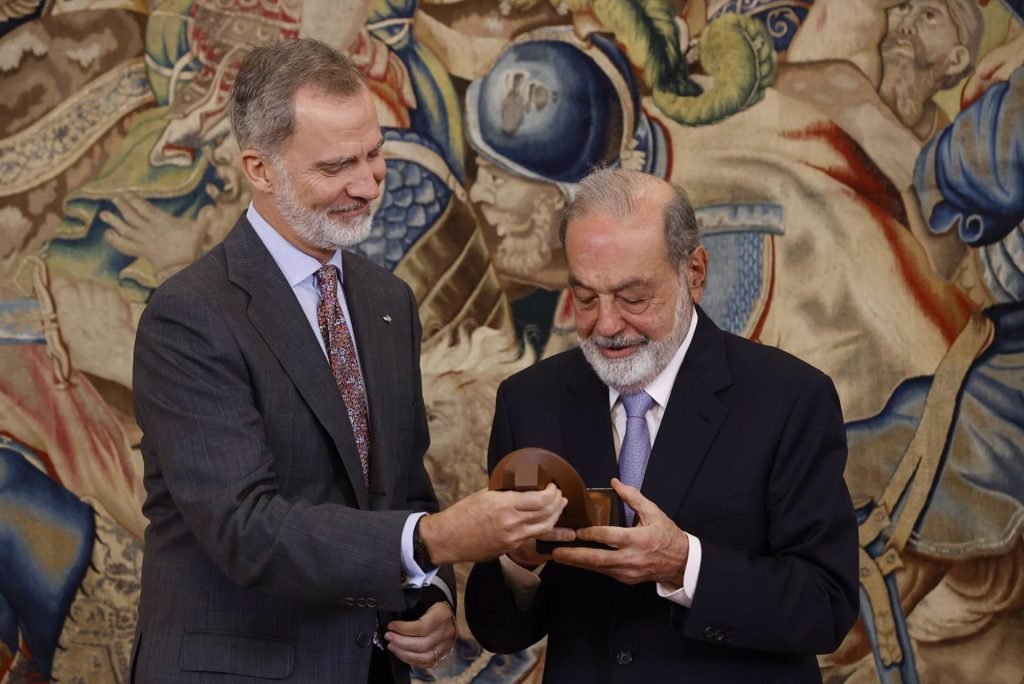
341,161
632,282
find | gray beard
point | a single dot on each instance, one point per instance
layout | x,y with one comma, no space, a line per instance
320,228
523,255
908,86
636,371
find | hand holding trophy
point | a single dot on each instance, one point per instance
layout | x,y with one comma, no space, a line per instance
532,469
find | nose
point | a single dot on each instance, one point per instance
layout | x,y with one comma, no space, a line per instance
609,321
482,189
366,186
906,22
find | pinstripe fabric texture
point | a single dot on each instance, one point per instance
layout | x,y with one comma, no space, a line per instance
267,556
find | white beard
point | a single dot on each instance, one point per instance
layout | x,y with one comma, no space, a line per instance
634,372
320,228
523,254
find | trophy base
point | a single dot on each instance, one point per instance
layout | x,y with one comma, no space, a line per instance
546,547
606,506
608,511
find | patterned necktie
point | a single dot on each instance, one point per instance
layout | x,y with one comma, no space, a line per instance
344,363
636,446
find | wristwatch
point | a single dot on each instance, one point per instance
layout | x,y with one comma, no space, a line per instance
420,553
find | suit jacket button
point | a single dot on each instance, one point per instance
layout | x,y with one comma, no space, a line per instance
710,632
623,657
364,639
371,603
349,601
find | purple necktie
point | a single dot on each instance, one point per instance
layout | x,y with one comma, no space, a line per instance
341,354
636,445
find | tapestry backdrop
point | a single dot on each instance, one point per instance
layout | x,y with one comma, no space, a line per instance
858,172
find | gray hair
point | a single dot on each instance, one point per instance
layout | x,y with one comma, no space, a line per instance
617,193
262,104
970,26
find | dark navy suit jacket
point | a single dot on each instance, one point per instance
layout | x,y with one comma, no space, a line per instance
749,458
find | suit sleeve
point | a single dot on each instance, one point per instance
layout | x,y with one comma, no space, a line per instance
491,610
420,491
204,442
800,594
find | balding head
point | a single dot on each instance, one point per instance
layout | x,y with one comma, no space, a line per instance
618,193
970,25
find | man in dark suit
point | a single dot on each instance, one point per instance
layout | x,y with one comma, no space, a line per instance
742,562
277,383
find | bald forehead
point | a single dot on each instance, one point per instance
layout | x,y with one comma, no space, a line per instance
644,213
620,195
642,194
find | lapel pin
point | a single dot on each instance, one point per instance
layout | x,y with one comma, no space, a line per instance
387,318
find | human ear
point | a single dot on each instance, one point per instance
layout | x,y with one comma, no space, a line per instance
256,168
697,273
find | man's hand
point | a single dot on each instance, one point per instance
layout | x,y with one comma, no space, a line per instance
423,642
526,554
654,551
98,325
139,229
487,524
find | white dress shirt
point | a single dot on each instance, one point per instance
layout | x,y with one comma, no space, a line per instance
523,583
299,270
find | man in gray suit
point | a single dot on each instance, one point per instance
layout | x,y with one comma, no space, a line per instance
277,384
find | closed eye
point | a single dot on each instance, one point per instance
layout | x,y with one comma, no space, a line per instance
633,305
335,167
585,302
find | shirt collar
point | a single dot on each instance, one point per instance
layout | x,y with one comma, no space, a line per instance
296,265
660,388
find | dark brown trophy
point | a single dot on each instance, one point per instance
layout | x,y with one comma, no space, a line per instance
531,469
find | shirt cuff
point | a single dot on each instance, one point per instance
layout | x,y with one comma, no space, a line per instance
521,582
413,576
684,595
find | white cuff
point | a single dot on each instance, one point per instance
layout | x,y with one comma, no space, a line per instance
521,582
684,595
414,577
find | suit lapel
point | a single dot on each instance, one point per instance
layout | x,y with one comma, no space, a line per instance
277,317
691,421
587,429
374,344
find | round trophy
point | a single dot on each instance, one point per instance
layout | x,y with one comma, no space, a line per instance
532,469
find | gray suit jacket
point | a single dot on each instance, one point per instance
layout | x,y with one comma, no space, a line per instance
266,556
